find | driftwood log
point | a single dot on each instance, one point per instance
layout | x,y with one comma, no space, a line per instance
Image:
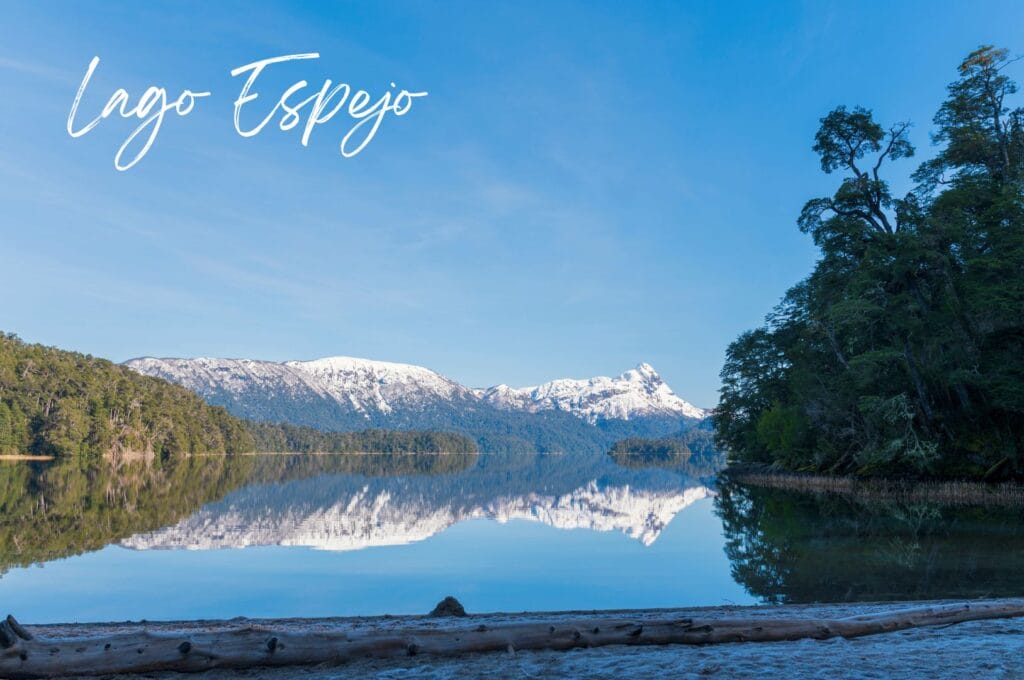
23,655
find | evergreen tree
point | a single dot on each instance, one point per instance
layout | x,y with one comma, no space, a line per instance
903,351
61,403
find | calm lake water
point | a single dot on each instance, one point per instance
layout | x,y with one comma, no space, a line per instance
268,536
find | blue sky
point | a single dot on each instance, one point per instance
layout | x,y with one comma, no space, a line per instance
587,185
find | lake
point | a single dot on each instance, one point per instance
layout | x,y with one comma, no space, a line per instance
302,535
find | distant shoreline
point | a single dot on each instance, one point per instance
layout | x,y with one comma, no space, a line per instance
338,453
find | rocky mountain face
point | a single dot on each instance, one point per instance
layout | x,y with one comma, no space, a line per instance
344,393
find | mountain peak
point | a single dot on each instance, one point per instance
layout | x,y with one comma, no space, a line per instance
639,392
643,370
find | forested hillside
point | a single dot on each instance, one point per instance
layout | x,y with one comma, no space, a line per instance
666,446
59,403
274,438
54,402
903,351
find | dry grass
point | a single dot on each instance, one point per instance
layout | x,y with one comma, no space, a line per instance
954,493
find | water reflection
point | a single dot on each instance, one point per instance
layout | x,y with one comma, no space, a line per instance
795,547
355,510
51,510
70,506
489,522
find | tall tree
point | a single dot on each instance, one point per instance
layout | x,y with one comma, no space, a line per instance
903,351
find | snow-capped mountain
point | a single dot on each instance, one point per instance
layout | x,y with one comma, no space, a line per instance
361,385
636,393
341,393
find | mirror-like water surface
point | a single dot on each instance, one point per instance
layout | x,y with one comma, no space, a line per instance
268,536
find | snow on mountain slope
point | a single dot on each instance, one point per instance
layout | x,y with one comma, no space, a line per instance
638,392
378,385
206,376
382,388
361,385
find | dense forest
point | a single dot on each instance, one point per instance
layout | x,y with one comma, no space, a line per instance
666,446
274,437
59,403
54,402
697,440
693,450
903,351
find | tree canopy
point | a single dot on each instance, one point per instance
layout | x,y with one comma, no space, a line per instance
903,351
54,402
59,403
282,437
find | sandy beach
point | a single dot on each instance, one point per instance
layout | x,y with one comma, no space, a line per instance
992,648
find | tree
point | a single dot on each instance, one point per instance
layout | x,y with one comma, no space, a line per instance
902,351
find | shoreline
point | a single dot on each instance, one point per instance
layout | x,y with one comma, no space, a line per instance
940,650
335,453
875,489
385,621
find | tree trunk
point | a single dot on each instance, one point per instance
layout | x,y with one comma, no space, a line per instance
22,656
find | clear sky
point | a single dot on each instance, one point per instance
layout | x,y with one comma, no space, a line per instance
587,186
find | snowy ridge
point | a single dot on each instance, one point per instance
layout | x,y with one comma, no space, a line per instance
361,385
378,385
378,388
375,517
638,392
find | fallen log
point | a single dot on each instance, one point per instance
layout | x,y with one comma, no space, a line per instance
23,655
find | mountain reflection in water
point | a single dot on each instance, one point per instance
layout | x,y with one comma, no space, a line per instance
331,502
350,512
308,535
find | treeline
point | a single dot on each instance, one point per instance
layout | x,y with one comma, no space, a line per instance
903,351
59,403
646,447
693,450
275,438
54,402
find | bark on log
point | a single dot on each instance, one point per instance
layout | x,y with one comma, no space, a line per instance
252,646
